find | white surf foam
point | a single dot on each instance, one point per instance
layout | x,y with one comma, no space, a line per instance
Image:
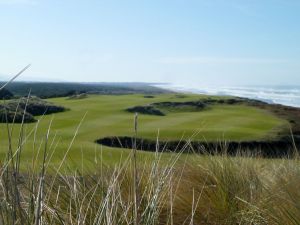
285,95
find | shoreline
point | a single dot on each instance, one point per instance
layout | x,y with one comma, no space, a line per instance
287,96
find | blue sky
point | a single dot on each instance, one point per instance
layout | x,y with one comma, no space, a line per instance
190,42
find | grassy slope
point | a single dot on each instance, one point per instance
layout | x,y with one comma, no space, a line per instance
106,117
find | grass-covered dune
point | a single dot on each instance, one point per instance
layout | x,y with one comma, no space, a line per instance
24,109
106,116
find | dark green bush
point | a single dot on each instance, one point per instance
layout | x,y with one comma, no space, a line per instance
13,110
150,110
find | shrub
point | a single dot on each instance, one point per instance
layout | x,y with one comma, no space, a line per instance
149,110
13,110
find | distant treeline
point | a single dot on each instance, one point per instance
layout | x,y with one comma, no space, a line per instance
51,90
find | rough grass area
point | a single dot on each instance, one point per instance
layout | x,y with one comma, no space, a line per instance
78,96
147,110
162,108
282,147
183,190
190,106
12,111
105,116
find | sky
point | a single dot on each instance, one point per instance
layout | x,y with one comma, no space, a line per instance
187,42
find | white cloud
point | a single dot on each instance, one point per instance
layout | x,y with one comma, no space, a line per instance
216,60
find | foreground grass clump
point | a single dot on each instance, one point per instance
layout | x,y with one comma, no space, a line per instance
183,189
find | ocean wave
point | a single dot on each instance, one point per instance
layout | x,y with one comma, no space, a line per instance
285,95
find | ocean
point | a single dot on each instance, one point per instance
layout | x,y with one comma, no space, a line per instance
285,95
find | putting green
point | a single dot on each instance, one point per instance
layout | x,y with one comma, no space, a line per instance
106,116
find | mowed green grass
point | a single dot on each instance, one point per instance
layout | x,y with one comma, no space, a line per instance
106,116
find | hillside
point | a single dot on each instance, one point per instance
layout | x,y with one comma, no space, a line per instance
61,89
218,119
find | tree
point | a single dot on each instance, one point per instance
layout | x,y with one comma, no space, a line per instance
6,94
